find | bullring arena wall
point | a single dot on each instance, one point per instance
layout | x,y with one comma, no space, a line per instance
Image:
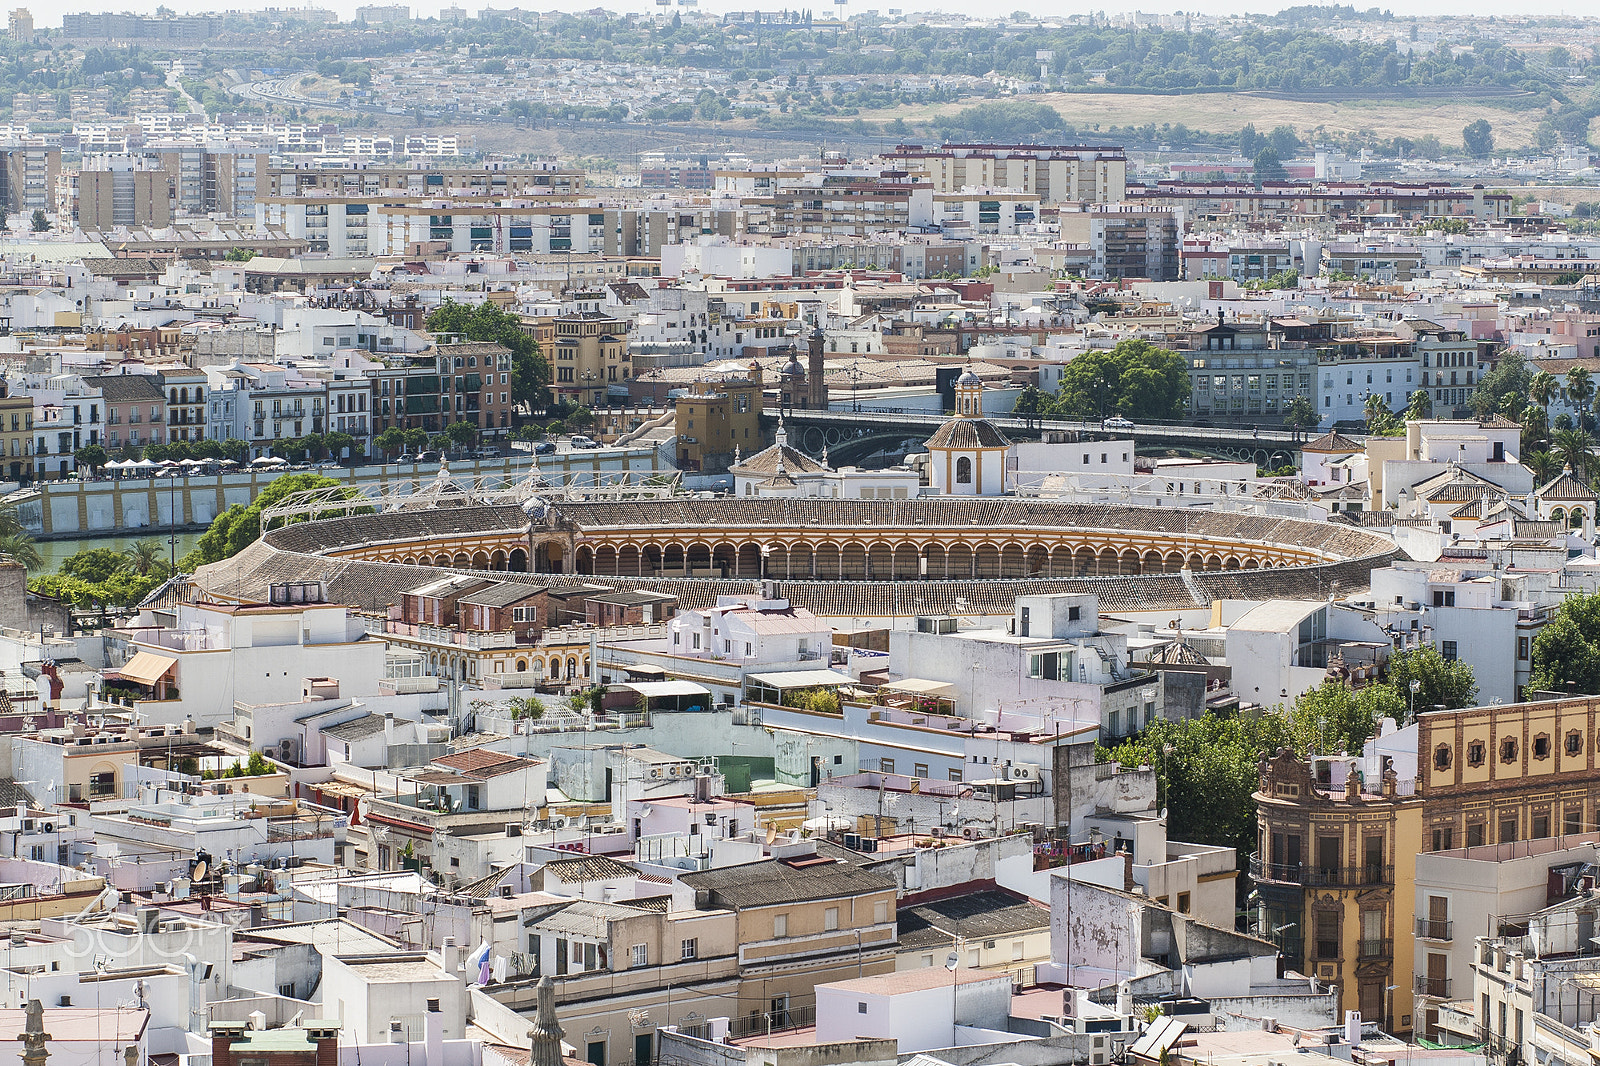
839,558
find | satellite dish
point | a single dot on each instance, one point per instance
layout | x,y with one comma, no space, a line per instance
951,961
199,871
772,834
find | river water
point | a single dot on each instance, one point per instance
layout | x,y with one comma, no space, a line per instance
54,551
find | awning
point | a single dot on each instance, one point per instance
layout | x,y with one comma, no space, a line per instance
146,668
783,679
916,686
666,688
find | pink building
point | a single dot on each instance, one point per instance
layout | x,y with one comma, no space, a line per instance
135,409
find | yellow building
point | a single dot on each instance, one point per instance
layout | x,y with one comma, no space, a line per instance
588,353
719,416
16,434
802,922
1336,856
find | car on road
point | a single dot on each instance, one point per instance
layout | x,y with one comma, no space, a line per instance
578,440
1116,422
428,457
544,447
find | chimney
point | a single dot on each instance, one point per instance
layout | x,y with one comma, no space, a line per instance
452,956
433,1023
326,1037
223,1035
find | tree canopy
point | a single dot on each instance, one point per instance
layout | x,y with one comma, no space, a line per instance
1568,649
530,372
1135,379
235,529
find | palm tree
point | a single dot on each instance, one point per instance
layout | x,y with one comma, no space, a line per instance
145,556
1535,428
1375,411
1543,465
1575,449
1579,392
15,540
1542,389
1420,406
20,547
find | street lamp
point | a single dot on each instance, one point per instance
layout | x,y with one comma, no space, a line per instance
172,523
1415,686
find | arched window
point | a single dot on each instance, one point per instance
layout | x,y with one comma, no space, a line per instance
1575,519
963,471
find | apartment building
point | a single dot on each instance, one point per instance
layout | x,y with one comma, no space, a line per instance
1352,368
847,205
1340,836
119,194
800,921
1450,364
1125,240
493,181
16,433
1303,203
136,409
28,174
475,382
187,393
589,357
1240,369
1494,891
346,225
1053,173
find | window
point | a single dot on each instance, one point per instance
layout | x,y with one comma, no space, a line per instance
1074,613
1541,746
1522,648
641,954
691,948
886,766
1508,749
1508,829
1183,903
861,1006
524,614
1475,835
101,785
919,769
963,471
880,912
1475,752
780,926
1447,649
1574,742
1441,757
830,919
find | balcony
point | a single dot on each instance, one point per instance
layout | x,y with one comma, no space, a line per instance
1432,987
1379,948
1433,929
1320,876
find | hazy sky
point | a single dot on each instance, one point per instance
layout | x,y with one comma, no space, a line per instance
48,12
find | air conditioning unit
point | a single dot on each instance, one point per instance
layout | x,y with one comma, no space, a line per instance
937,831
655,772
969,832
1024,772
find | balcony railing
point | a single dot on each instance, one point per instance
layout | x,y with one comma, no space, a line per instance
1433,929
1380,948
1433,987
1321,876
